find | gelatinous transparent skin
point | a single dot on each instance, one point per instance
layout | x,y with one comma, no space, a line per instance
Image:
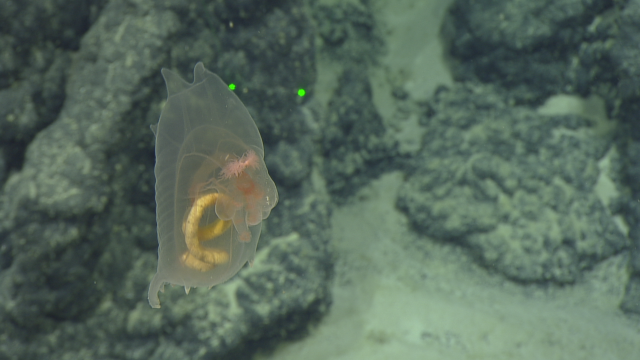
212,186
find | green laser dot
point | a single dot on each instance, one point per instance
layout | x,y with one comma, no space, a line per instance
232,86
301,92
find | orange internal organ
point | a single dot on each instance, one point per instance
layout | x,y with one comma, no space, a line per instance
197,256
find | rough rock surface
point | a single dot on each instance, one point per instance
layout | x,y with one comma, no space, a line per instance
535,49
514,186
77,226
